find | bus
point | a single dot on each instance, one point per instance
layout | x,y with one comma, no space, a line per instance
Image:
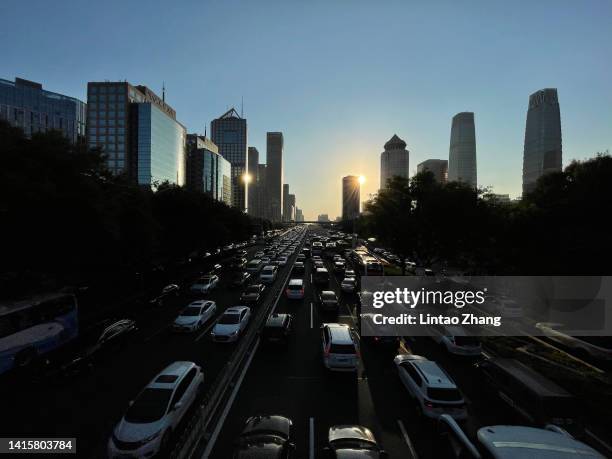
366,264
32,328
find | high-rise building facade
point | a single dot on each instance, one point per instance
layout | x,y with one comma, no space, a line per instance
299,215
274,175
291,208
323,218
137,131
438,167
229,133
462,151
350,197
286,210
26,105
253,168
543,151
394,161
262,193
207,171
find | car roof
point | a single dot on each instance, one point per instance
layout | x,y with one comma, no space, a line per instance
296,282
519,442
169,377
328,292
353,432
235,309
340,333
276,320
433,373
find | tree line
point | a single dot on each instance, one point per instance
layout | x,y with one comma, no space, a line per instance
561,228
66,218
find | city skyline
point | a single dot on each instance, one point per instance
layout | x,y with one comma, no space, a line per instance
491,77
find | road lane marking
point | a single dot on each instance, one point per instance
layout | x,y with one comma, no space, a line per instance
201,335
311,452
311,315
599,440
407,439
213,438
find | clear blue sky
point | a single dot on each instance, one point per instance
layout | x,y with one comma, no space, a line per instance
338,77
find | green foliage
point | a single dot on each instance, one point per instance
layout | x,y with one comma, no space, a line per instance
65,216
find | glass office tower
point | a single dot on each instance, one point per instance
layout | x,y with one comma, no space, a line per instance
229,133
543,150
462,152
208,171
350,197
26,105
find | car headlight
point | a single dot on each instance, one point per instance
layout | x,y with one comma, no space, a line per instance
235,332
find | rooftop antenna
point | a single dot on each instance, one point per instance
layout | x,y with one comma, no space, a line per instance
163,91
241,106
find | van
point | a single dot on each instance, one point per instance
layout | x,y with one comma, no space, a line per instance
532,396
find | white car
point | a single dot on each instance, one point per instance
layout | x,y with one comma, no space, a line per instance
259,254
194,316
146,428
340,347
431,387
205,284
231,324
295,289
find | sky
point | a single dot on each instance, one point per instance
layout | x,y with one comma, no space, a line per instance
338,77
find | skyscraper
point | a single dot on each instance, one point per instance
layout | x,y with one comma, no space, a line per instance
137,131
462,152
253,168
350,197
299,215
542,152
25,104
207,171
274,175
394,161
262,196
286,210
291,208
438,167
229,133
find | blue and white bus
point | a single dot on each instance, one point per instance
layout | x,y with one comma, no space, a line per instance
35,327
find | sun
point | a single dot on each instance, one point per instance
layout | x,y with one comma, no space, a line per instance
362,179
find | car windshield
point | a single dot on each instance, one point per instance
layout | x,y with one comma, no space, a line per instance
336,348
205,280
229,319
267,272
150,406
352,443
328,296
191,311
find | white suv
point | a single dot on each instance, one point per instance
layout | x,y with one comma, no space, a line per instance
432,388
147,426
340,347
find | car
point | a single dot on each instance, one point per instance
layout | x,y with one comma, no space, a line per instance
295,289
94,344
352,441
252,294
278,327
348,285
340,347
282,260
379,250
147,426
337,257
456,341
508,441
349,273
431,387
194,316
339,266
205,284
259,254
321,276
306,252
328,301
241,253
228,247
167,291
266,260
265,437
173,289
319,264
298,268
240,278
231,324
268,274
254,265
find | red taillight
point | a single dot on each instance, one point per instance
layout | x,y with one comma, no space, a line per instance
302,291
429,405
326,352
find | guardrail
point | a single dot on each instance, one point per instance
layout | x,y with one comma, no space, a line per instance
197,429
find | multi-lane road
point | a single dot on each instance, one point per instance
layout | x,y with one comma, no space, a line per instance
286,379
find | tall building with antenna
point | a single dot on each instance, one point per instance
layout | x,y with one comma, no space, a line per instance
229,133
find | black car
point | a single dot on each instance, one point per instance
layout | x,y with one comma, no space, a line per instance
265,437
95,344
240,278
328,301
252,294
277,328
238,263
167,291
298,268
